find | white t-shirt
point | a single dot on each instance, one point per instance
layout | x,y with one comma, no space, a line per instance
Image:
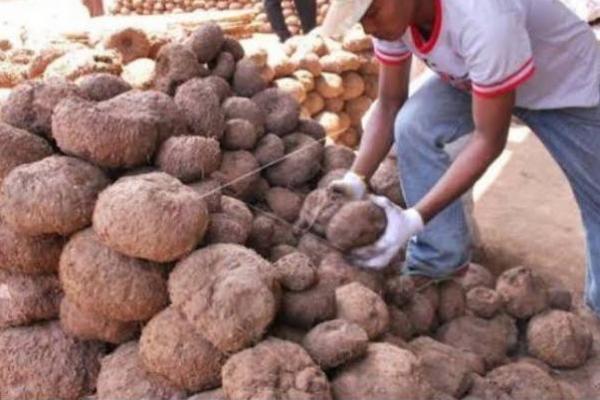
538,47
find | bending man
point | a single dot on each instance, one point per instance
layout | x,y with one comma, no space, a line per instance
495,58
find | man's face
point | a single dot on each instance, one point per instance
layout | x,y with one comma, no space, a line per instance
387,19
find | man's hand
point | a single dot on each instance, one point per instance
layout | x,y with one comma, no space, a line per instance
401,226
351,186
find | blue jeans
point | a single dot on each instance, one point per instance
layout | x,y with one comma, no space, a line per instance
438,114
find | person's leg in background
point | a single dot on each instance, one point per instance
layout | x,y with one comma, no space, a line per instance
572,136
434,116
276,19
307,12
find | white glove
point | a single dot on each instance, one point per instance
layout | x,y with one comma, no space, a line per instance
351,186
401,226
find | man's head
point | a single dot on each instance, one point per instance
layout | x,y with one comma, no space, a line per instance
384,19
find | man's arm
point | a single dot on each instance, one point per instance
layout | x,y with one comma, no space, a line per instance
379,132
492,118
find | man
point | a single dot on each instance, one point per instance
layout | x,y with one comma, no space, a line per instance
493,58
307,11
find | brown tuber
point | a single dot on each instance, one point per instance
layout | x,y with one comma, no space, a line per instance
189,158
360,305
43,362
88,325
560,298
307,308
281,250
340,61
284,203
131,43
286,371
356,224
318,209
421,314
108,283
295,271
18,147
29,254
452,302
339,272
337,157
238,173
356,109
483,302
336,342
446,368
334,105
27,299
354,86
524,381
399,290
30,105
155,107
281,110
386,182
400,325
477,275
247,79
240,134
176,64
223,66
490,339
109,134
122,376
523,292
269,149
171,348
232,225
301,164
151,216
243,108
201,108
102,86
54,195
292,87
227,292
329,85
386,372
311,128
220,86
234,47
329,177
559,338
314,103
210,191
206,41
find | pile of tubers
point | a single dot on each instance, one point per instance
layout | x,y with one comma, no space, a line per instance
180,242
